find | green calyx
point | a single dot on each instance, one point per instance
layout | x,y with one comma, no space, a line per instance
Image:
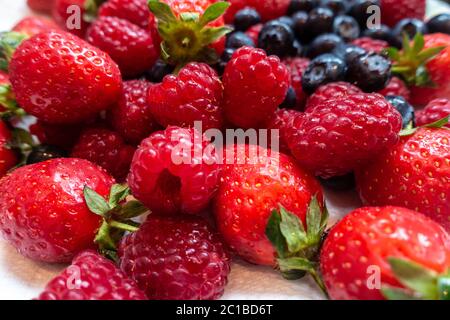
187,38
298,249
440,124
9,41
91,9
410,63
420,283
117,216
9,104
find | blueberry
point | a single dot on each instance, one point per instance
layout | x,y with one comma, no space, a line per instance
323,69
297,49
239,39
45,152
301,5
286,20
346,27
405,109
439,23
349,52
338,6
410,27
359,11
383,32
320,21
224,59
342,183
246,18
291,99
276,38
159,70
324,43
371,72
300,20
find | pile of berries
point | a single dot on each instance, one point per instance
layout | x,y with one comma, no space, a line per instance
100,125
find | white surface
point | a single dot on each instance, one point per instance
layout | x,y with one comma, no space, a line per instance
22,279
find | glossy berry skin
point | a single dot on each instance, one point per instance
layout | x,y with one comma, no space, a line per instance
53,223
100,280
382,32
346,27
276,38
396,87
291,99
158,71
302,5
410,27
320,20
107,149
34,25
62,13
296,67
300,22
395,10
62,79
61,136
41,5
135,11
250,189
370,72
324,43
176,258
439,24
131,47
367,237
349,52
338,6
261,97
170,180
239,39
343,134
331,91
132,117
323,69
8,158
246,18
406,110
195,94
43,153
371,45
269,9
434,111
416,171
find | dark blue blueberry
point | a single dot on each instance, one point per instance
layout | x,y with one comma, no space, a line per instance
301,5
382,32
405,109
342,183
371,72
346,27
246,18
321,70
291,99
159,70
300,20
286,20
359,11
410,27
239,39
320,20
439,23
349,52
324,43
45,152
276,38
224,59
338,6
297,49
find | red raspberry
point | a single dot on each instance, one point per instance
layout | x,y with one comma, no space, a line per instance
176,259
135,11
172,172
62,15
392,11
331,91
60,136
34,25
253,32
99,279
396,87
297,67
282,121
255,85
344,134
434,111
195,94
132,117
131,47
106,149
7,156
371,45
268,9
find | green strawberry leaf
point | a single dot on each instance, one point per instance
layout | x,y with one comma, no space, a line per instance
438,124
96,203
274,234
104,239
132,209
293,231
213,12
118,193
212,34
189,16
314,219
391,293
162,11
296,263
392,52
9,41
444,287
418,43
429,53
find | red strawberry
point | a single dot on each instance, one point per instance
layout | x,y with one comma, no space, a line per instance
392,11
62,136
253,32
297,67
257,182
282,121
396,87
261,98
131,117
174,171
195,94
176,259
41,5
69,15
344,134
8,158
268,9
413,175
34,25
106,149
434,111
400,250
371,45
135,11
91,277
331,91
130,46
61,79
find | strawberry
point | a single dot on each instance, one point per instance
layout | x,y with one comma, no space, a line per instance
386,252
69,15
34,25
66,210
61,79
392,11
41,5
268,9
414,175
257,182
91,277
135,11
8,158
396,87
434,111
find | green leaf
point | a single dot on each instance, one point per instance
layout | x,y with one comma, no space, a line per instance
313,219
418,43
429,53
296,263
104,239
95,202
444,287
123,226
422,78
392,53
391,293
162,11
293,231
132,209
189,16
274,234
9,41
212,34
118,193
405,44
213,12
438,124
408,132
324,219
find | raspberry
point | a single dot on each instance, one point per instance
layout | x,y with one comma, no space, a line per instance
195,94
436,110
106,149
131,117
131,47
282,121
172,172
331,91
253,32
371,45
344,134
176,259
135,11
99,279
255,85
296,67
396,87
